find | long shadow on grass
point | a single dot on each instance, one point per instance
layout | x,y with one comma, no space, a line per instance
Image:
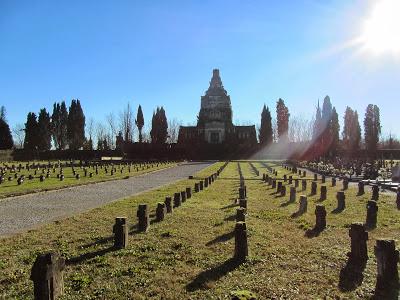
230,205
222,238
351,276
86,256
230,218
213,274
312,233
99,242
287,203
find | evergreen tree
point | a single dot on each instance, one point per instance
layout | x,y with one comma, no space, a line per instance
335,129
317,130
76,125
59,120
6,140
372,129
351,131
140,122
159,127
326,120
282,118
32,138
265,135
44,126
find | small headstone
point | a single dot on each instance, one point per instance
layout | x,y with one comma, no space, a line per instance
120,230
285,178
242,194
201,185
359,238
315,177
304,185
61,177
320,217
41,178
324,191
274,183
196,187
398,199
345,183
375,193
241,246
296,183
290,179
243,203
361,188
78,176
206,183
240,214
279,187
160,211
333,181
303,204
283,191
168,204
323,179
177,200
372,214
387,258
47,276
188,192
292,197
341,200
183,196
313,188
143,217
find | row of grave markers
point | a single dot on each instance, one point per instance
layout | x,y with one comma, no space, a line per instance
47,270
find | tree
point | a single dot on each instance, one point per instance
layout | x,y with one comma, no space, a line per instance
32,139
173,130
19,134
127,124
372,128
335,129
112,133
76,125
44,127
317,130
326,122
351,131
159,127
140,122
282,117
59,120
6,140
265,135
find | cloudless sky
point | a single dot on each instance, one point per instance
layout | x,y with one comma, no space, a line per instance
109,53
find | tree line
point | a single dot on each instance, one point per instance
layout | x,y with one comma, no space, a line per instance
324,132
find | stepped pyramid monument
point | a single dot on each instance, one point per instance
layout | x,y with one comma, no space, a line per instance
214,123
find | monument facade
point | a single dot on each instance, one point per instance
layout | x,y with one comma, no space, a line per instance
214,122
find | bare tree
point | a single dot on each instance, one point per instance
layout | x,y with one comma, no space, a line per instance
300,129
101,135
173,130
19,135
275,136
90,128
146,133
112,132
126,123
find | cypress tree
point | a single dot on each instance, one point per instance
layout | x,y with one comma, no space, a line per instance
283,115
59,120
76,126
265,135
372,129
335,129
32,139
44,126
140,122
6,140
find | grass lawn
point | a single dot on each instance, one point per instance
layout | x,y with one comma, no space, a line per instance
188,256
11,188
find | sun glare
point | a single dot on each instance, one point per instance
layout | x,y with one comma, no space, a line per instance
381,31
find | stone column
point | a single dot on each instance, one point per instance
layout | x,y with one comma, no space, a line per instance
120,230
183,196
304,185
47,276
359,238
387,258
323,192
292,197
333,181
372,214
240,214
188,192
361,188
375,193
143,217
313,188
168,204
320,217
241,246
341,200
177,199
160,211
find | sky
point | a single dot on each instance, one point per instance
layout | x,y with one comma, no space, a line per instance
153,53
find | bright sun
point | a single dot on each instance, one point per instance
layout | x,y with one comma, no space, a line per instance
381,31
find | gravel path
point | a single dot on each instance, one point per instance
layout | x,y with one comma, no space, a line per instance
24,212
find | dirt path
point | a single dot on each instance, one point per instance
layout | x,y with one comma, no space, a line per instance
24,212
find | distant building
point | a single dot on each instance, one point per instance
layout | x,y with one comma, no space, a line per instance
214,123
